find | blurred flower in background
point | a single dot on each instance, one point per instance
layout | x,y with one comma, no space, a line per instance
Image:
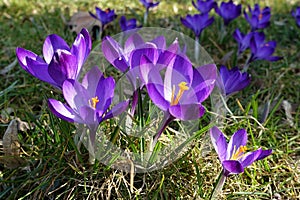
197,23
231,81
204,6
128,24
258,18
296,14
229,11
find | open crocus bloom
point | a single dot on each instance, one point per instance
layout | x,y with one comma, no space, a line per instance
234,156
60,61
259,18
182,88
232,81
88,103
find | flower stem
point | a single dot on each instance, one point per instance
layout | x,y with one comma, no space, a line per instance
197,49
246,66
146,17
225,104
167,119
218,186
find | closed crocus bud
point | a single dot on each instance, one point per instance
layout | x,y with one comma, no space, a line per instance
228,11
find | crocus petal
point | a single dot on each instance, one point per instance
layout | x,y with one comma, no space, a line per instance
238,139
181,71
75,94
187,111
219,142
88,115
39,70
204,80
148,49
149,73
105,93
52,44
160,43
156,92
133,42
63,111
250,157
79,49
114,53
91,79
88,41
233,166
116,110
23,54
264,153
63,66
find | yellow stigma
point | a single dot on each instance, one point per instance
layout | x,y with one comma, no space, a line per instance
239,153
182,87
94,101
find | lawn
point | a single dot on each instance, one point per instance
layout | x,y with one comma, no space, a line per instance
43,160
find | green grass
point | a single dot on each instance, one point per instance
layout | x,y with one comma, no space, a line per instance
54,169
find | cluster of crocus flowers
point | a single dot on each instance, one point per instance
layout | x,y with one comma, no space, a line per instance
234,155
59,62
296,14
231,81
258,18
260,49
229,11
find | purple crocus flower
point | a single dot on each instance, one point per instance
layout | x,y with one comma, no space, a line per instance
261,50
88,102
104,16
204,6
259,18
229,11
197,22
60,61
127,24
182,88
149,4
180,92
296,14
232,81
243,40
233,155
